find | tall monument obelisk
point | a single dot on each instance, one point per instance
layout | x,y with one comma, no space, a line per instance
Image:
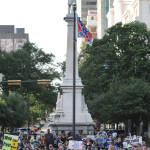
62,119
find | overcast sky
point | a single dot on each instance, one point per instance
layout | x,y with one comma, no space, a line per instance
42,19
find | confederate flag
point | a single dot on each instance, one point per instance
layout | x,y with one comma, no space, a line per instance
84,32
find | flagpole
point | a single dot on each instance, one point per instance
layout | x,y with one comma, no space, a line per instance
74,69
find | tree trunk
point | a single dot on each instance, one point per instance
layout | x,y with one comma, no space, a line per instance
129,126
126,127
141,129
117,127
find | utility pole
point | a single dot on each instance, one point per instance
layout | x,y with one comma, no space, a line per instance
74,69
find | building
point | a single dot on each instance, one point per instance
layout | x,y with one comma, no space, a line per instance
92,22
124,11
102,21
12,38
84,6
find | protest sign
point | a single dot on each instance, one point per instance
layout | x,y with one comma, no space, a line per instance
10,142
7,142
14,143
75,144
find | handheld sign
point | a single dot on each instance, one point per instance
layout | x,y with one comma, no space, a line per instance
75,144
7,142
14,143
10,142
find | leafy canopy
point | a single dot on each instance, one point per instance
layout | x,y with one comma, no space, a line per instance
29,63
115,72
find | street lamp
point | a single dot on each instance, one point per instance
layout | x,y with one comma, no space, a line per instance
74,66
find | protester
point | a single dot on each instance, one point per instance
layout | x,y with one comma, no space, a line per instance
49,138
50,147
34,141
66,145
1,142
79,136
63,137
42,141
110,138
90,145
90,136
144,146
119,143
69,136
36,147
104,134
61,147
56,140
100,140
111,145
136,147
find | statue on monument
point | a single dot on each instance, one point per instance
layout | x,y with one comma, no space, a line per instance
70,2
62,118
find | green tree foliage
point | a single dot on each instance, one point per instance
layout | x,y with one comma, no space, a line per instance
13,110
115,72
3,115
29,63
37,109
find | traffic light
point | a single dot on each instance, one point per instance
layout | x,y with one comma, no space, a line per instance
20,82
43,82
39,119
14,82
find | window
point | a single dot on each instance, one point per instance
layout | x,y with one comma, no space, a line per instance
106,6
93,29
90,3
92,18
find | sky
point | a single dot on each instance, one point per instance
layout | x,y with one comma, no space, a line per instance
42,20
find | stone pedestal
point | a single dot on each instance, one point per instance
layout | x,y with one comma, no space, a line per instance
63,117
68,128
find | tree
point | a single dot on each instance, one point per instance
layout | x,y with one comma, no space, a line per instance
37,109
3,115
13,110
29,63
115,70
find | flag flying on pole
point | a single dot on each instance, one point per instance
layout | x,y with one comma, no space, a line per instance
84,32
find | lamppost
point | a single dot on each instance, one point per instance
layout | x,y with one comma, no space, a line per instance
74,67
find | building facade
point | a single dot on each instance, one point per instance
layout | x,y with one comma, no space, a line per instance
12,38
102,21
84,6
92,22
124,11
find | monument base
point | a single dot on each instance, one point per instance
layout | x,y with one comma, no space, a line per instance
67,127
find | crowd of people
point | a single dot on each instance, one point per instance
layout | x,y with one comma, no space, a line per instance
54,141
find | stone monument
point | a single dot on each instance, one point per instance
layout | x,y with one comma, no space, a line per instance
62,118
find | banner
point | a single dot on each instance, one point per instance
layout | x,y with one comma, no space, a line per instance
10,142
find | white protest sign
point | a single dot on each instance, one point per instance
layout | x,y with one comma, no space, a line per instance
75,144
